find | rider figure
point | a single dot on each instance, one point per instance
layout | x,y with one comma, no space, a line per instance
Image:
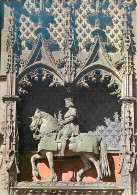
70,129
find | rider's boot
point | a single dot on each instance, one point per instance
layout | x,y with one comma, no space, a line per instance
63,147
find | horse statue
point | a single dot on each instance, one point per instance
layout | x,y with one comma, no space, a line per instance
85,145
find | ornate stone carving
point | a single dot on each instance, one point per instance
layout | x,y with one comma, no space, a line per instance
9,165
101,76
55,137
128,138
39,76
14,42
39,13
127,141
62,188
110,133
56,31
128,148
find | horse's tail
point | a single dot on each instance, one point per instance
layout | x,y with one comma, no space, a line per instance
104,163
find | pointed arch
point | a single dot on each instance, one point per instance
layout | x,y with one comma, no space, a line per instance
97,66
39,65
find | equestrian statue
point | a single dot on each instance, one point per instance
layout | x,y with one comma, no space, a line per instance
60,136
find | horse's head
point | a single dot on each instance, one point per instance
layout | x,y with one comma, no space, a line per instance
43,122
34,124
37,120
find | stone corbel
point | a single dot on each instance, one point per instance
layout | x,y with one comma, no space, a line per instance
11,98
128,99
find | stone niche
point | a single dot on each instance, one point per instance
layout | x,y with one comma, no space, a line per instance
93,104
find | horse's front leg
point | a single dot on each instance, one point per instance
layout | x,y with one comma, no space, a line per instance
51,165
35,172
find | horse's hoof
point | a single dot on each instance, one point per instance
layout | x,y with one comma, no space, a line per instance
35,173
97,180
51,179
78,178
35,179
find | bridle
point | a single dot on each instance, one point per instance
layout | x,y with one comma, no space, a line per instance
37,124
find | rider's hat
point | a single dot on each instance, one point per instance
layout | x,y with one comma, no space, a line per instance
69,100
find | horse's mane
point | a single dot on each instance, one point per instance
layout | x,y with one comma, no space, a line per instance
50,117
53,123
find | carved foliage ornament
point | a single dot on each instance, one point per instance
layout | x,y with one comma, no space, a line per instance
101,76
38,76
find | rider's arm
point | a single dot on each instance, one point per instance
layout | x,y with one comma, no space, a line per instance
71,117
68,120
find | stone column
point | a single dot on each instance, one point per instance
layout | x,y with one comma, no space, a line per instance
134,20
4,34
9,143
3,87
127,143
9,165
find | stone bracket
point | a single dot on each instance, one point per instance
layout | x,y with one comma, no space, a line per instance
11,98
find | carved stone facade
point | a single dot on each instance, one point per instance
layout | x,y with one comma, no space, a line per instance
50,50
